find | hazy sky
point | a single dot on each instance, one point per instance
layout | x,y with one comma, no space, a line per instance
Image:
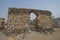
51,5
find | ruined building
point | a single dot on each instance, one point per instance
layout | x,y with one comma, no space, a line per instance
19,18
2,23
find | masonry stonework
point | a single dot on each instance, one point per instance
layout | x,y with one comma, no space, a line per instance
19,18
2,23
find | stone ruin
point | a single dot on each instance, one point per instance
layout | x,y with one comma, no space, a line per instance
2,23
19,19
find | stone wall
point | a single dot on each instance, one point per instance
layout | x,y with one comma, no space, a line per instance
19,18
2,23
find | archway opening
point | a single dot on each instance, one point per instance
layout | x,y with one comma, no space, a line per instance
32,16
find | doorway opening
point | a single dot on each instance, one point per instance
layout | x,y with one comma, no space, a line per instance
32,16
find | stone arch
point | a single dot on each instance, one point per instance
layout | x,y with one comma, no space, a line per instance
32,16
36,12
33,12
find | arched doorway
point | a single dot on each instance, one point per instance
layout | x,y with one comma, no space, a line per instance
32,16
33,19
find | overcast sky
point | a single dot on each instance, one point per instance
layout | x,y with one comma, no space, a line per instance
51,5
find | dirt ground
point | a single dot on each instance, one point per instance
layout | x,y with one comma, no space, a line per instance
37,36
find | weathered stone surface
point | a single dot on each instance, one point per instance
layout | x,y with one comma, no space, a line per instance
19,18
2,23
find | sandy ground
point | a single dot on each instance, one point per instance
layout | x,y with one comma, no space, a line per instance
37,36
2,36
